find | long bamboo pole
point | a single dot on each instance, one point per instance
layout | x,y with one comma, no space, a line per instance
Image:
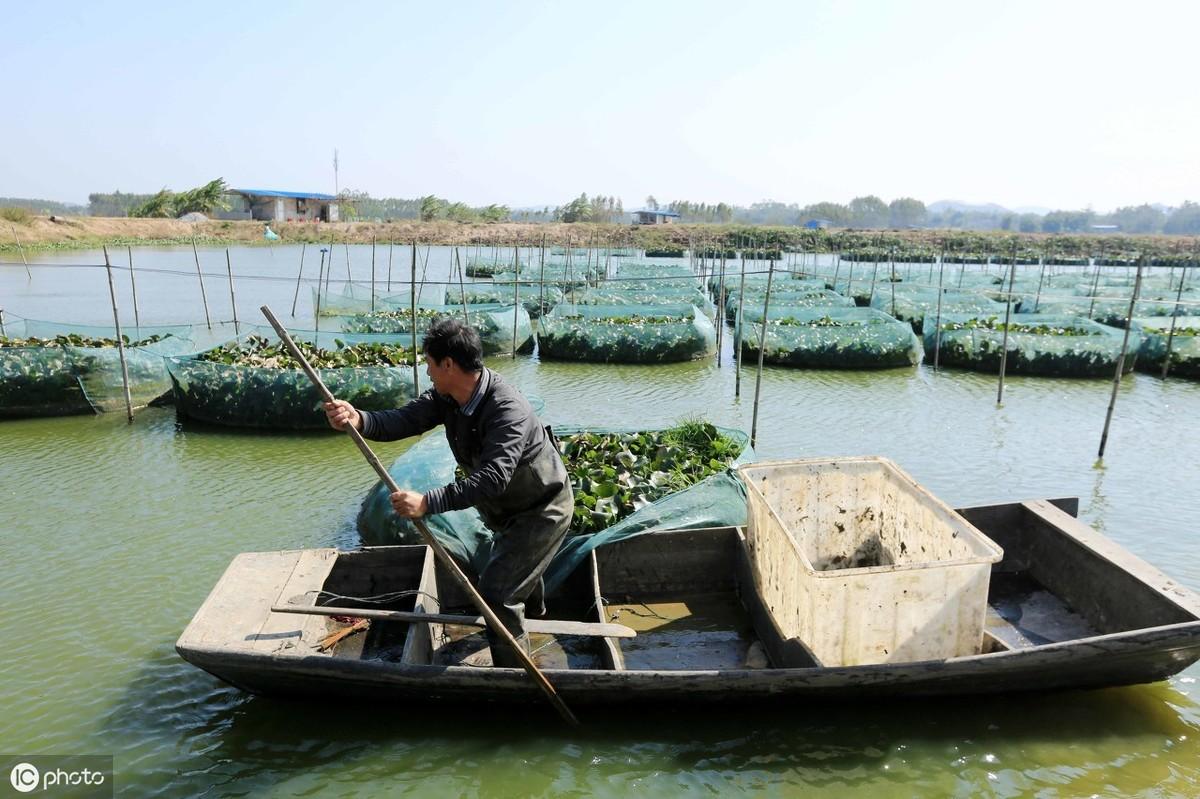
412,297
937,324
740,329
1174,318
317,305
137,320
389,277
2,333
462,289
200,275
1112,401
232,296
762,342
112,293
1012,274
516,297
21,250
447,562
372,273
299,274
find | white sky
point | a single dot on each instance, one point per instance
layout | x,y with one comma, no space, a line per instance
1053,104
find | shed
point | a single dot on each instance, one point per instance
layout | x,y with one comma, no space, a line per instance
654,216
818,224
269,205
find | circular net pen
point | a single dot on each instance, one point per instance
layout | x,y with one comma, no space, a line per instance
355,298
1156,331
641,270
252,382
490,267
57,369
913,304
498,326
1110,309
537,298
805,298
828,338
626,334
633,292
1047,345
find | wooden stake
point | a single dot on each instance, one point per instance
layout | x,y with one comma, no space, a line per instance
21,250
317,308
412,297
1112,401
137,321
937,330
2,333
372,273
200,275
762,342
1174,318
516,298
299,274
462,290
447,562
232,296
112,293
389,277
739,330
1012,275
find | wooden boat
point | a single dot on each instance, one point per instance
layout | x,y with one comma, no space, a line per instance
1067,608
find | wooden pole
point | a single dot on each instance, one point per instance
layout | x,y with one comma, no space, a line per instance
1174,318
1037,297
200,275
1012,274
299,275
412,297
372,273
329,270
21,250
721,312
349,277
2,333
112,293
762,343
1112,401
137,321
447,562
516,298
937,329
317,306
1095,287
232,296
462,290
389,277
542,279
739,330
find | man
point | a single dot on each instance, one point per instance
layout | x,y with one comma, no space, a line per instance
515,476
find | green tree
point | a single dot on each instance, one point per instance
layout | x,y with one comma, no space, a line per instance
906,212
1184,219
869,211
432,208
1138,219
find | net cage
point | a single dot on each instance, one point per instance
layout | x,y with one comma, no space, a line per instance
498,326
630,270
1048,345
804,298
490,267
626,292
59,369
1183,335
828,338
913,304
537,298
626,482
626,333
1113,310
245,383
355,298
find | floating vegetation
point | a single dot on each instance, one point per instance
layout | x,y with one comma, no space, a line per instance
914,304
49,369
829,338
260,353
665,252
1183,332
1037,344
616,474
626,334
786,296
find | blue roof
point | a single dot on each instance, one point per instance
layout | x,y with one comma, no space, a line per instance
298,195
660,212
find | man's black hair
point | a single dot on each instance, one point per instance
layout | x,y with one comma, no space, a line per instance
447,337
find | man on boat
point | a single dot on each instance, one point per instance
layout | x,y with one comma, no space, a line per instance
515,476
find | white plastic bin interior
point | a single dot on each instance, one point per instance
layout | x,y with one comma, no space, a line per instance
863,565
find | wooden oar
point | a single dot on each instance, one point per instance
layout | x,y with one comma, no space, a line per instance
548,626
493,621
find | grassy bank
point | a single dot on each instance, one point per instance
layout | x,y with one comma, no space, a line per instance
37,233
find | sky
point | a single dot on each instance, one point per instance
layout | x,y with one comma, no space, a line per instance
1050,104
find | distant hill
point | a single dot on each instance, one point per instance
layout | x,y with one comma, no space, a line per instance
941,206
43,207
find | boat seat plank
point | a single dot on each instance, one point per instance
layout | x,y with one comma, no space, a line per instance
233,610
282,630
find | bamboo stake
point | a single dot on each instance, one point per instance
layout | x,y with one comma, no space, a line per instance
739,331
21,250
232,297
762,340
516,298
389,277
300,274
349,277
1174,318
112,293
1012,275
412,297
455,572
372,273
317,308
329,271
462,290
137,321
892,277
542,280
937,328
2,333
1037,297
721,313
200,275
1112,401
1095,286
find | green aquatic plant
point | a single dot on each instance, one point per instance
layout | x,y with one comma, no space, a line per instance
258,352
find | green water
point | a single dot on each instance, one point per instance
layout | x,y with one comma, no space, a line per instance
114,533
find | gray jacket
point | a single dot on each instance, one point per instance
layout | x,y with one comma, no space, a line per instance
511,462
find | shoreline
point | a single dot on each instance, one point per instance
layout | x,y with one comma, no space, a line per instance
46,234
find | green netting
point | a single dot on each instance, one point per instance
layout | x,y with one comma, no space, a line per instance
626,334
60,370
1185,344
494,323
829,338
622,293
537,299
1049,345
355,298
562,275
803,298
718,500
1109,311
283,398
642,270
489,267
913,303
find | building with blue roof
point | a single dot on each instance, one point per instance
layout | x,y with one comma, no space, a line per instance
270,205
654,216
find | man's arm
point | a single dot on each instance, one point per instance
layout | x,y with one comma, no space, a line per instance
416,417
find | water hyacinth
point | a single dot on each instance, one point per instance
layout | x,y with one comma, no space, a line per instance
260,353
1037,344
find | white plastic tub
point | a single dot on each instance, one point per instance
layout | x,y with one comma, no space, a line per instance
861,564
